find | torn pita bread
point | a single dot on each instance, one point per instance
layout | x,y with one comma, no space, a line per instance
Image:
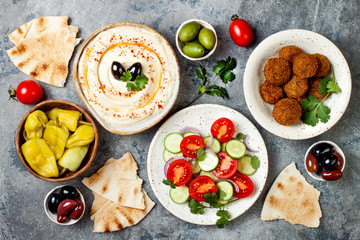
43,49
293,199
109,216
118,181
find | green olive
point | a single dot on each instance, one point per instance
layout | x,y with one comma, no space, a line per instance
189,31
207,38
193,49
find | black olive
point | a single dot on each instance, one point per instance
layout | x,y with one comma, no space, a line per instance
68,192
321,149
135,70
117,70
54,201
320,167
329,161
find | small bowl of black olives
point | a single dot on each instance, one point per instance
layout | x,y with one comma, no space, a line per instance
325,161
64,205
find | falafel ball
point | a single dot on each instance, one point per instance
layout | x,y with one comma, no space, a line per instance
287,111
324,65
305,65
288,53
296,87
277,71
314,88
271,93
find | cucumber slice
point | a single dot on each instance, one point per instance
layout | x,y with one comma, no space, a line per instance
216,146
167,155
179,195
223,146
223,202
227,188
209,174
172,142
195,168
235,148
245,165
209,163
188,134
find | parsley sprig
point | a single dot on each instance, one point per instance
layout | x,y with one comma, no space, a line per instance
200,154
137,85
315,109
223,70
169,183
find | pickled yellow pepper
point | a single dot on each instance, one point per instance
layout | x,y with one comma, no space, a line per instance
56,135
40,157
73,157
82,136
35,124
69,118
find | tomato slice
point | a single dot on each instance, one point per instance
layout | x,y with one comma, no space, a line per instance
227,166
190,144
179,172
200,186
246,186
223,129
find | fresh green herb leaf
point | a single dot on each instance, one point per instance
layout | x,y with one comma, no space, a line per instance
255,162
309,103
310,118
323,85
228,77
200,154
224,218
219,66
333,87
323,113
138,84
202,90
196,207
219,91
201,73
240,136
169,183
222,194
212,199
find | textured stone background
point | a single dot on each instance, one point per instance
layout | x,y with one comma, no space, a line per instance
21,195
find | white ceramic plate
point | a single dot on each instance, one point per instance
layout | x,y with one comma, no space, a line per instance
309,42
201,117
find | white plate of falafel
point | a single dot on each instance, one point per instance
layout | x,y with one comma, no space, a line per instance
283,74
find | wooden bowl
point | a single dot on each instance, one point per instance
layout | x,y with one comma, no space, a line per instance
47,105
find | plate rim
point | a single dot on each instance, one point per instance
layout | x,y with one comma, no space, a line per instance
191,108
270,126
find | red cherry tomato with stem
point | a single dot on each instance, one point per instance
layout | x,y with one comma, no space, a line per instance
227,166
29,92
190,144
240,32
223,129
200,186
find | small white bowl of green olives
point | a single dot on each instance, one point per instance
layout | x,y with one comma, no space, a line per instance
196,39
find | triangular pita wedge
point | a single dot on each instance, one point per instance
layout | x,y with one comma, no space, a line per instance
118,182
44,48
114,217
38,26
292,198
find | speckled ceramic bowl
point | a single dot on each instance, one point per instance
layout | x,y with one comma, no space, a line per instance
309,42
336,148
180,44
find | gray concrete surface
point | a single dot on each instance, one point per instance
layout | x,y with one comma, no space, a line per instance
21,195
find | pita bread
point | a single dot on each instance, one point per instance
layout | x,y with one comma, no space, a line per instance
43,49
109,216
118,181
293,199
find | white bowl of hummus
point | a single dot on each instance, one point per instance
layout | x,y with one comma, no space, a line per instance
117,108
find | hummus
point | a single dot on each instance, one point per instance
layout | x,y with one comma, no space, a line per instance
127,44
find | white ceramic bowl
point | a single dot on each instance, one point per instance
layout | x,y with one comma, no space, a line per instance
180,44
309,42
336,148
53,217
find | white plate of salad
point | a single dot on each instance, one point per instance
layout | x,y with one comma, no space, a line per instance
207,164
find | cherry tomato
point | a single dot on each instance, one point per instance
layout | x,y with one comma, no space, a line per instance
331,175
340,162
227,166
223,129
179,172
200,186
29,92
190,144
312,163
246,186
240,32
